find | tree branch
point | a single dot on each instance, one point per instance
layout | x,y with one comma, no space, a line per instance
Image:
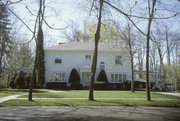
135,16
53,27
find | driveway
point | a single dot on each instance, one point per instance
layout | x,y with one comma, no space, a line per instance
88,113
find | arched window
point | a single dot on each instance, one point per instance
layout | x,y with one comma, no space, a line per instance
102,66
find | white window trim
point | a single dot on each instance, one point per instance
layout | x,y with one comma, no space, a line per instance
61,73
114,77
57,57
88,57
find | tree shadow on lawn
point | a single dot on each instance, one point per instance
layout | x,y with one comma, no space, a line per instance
114,103
124,103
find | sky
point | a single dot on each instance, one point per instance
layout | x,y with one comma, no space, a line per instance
58,14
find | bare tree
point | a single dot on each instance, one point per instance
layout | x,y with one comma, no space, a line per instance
128,38
95,55
39,57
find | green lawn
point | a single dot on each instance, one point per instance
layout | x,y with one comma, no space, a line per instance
98,94
85,102
7,92
45,93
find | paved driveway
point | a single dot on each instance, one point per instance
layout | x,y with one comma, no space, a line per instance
88,113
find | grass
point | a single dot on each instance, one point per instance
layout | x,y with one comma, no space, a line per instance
98,94
45,93
85,102
7,92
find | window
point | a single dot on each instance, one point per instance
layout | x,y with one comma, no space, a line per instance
86,76
57,77
124,77
88,57
116,78
58,60
118,60
102,66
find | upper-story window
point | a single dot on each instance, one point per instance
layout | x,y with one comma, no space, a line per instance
87,57
102,66
118,60
58,60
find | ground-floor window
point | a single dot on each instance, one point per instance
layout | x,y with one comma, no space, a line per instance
86,76
57,77
118,77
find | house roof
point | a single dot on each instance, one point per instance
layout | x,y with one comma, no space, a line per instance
85,46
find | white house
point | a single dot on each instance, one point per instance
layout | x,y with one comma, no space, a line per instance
61,59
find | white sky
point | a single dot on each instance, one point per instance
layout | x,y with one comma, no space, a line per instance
58,13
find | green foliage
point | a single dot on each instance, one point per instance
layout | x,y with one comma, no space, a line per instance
173,74
102,77
74,78
5,42
19,56
20,81
109,32
40,67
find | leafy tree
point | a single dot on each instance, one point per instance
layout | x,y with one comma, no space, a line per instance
20,80
5,43
172,75
20,56
109,32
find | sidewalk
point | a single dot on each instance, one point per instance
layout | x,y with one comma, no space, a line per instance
3,99
170,93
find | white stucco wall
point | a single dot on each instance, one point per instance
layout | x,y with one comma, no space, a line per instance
73,59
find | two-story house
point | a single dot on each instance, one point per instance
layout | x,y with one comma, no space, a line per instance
61,59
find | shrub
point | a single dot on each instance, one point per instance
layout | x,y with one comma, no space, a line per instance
56,85
12,83
20,80
102,77
74,79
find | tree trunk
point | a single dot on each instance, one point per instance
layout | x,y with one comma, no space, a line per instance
132,74
33,78
39,59
129,39
168,49
151,15
94,62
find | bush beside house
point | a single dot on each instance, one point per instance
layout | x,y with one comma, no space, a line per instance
56,85
102,81
74,79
